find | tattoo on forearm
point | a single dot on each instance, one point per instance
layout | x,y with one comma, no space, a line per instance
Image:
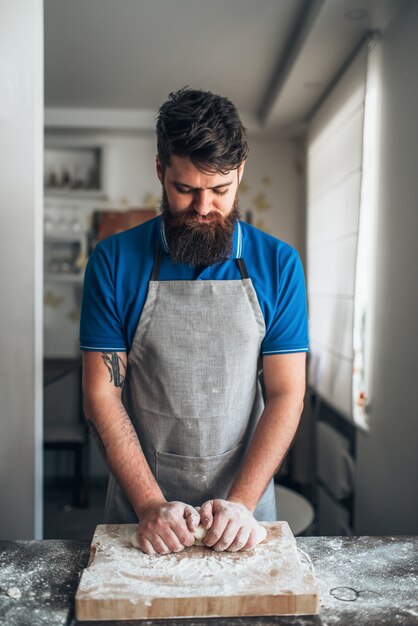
97,438
115,367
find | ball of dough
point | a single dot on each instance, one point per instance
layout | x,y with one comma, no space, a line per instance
134,540
199,534
261,534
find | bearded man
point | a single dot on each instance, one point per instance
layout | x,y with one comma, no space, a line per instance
180,317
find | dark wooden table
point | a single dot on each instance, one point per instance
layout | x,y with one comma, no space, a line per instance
363,581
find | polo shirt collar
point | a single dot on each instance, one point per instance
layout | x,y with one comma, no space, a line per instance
236,240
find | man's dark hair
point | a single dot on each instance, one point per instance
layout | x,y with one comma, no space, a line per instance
204,127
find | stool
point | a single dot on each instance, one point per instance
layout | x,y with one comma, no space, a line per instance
293,508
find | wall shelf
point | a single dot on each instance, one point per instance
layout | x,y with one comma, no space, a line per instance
64,278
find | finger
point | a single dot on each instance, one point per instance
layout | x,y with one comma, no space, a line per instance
206,514
192,518
183,534
258,534
146,546
228,536
159,544
251,541
177,538
220,522
240,540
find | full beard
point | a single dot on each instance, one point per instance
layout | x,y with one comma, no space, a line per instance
195,242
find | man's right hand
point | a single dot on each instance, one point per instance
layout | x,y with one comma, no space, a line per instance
166,527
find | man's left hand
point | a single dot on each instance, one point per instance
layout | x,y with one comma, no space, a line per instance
231,526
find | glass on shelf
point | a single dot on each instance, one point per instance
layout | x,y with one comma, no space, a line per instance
64,258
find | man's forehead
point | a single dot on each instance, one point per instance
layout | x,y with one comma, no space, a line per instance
183,170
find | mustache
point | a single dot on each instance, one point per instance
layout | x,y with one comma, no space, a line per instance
193,221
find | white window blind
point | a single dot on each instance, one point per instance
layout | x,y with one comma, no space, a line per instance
334,178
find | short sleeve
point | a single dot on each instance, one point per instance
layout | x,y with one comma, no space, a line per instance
288,331
100,326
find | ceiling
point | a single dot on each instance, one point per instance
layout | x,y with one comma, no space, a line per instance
273,58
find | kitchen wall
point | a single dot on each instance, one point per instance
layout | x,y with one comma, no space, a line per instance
130,171
273,188
21,145
387,496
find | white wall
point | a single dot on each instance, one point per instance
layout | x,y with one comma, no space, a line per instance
387,459
21,152
273,188
132,179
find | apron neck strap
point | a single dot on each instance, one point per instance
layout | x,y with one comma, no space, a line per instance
157,262
242,268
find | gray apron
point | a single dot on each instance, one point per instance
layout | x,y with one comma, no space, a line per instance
192,389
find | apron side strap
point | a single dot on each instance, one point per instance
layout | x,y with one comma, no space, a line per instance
157,262
242,268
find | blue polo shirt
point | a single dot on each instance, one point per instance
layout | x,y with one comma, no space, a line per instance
118,271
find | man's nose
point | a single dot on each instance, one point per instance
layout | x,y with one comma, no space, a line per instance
202,204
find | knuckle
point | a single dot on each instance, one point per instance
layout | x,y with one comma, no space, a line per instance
214,536
176,545
146,547
164,513
142,545
147,528
209,541
187,541
170,519
161,546
180,548
229,538
158,524
234,548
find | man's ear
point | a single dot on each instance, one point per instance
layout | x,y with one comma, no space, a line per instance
159,168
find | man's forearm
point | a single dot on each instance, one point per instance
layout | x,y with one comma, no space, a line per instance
271,440
119,444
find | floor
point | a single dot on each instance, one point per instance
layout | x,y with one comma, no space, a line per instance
64,521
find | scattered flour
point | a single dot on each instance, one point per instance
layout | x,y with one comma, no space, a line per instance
374,576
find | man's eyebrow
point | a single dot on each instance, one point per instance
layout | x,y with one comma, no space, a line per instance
180,184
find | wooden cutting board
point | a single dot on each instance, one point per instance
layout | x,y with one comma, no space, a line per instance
121,582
